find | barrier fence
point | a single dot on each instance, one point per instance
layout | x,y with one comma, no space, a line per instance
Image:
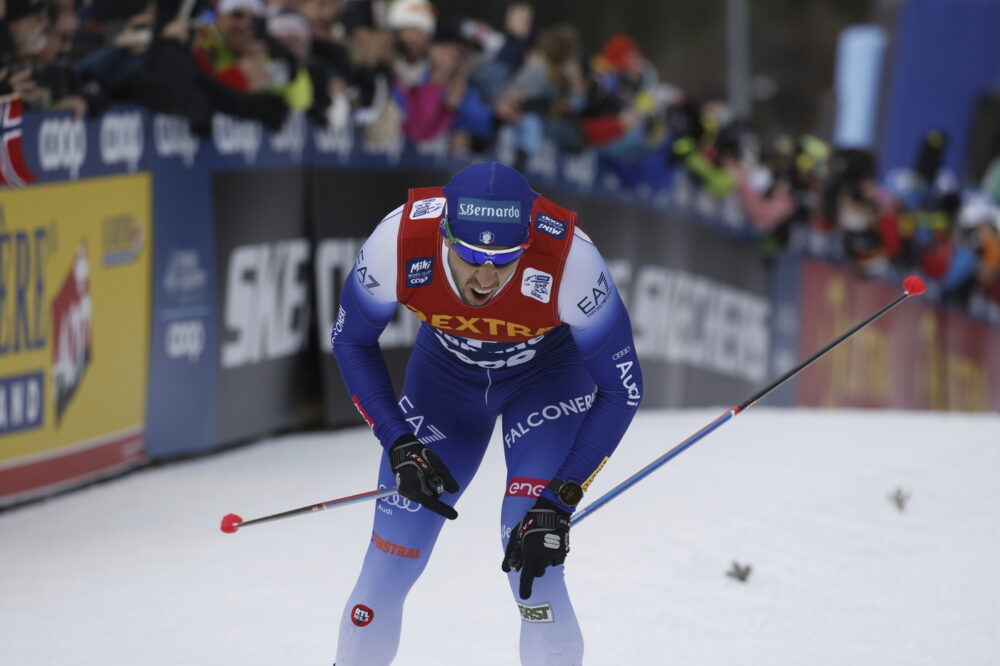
163,295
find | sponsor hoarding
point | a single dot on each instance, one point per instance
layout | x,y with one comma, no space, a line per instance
74,331
267,379
919,357
182,352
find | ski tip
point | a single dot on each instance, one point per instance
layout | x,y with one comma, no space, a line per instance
230,522
914,286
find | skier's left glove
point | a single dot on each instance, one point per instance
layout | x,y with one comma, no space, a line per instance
421,475
540,540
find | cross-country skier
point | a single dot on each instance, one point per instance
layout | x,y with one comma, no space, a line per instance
521,321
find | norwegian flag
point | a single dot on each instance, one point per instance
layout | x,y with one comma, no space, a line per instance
14,171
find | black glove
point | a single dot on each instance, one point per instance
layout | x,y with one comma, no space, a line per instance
540,540
421,476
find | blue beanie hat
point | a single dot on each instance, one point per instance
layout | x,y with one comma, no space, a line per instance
489,204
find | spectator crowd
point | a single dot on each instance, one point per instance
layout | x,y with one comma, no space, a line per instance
394,69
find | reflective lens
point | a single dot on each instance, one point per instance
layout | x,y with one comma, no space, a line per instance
471,254
477,256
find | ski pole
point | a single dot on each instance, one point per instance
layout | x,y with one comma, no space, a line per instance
912,286
232,522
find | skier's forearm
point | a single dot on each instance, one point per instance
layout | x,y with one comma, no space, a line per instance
614,366
355,345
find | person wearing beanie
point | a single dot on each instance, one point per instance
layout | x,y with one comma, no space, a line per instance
521,322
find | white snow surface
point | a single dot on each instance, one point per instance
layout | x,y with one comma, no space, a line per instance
136,571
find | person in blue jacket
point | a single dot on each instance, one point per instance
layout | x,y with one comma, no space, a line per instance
520,321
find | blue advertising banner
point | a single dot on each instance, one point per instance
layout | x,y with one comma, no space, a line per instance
182,352
945,57
59,148
190,327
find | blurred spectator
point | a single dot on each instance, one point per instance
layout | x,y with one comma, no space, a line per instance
547,94
369,86
236,50
324,23
275,7
780,193
924,185
230,51
27,24
696,134
854,206
31,40
153,66
461,47
292,30
505,55
979,220
924,233
329,61
991,180
430,78
625,116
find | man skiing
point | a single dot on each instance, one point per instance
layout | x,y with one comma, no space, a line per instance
521,321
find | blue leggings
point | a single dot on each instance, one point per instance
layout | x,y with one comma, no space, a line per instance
452,408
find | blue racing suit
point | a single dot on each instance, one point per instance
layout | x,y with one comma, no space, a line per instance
565,398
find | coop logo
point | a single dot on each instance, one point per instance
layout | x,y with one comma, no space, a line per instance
122,240
536,613
581,169
266,309
122,139
536,284
62,144
337,140
419,271
362,616
292,137
237,137
185,339
71,324
481,210
550,226
185,279
172,137
21,405
427,209
522,487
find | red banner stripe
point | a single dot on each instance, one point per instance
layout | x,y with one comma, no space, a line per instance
75,466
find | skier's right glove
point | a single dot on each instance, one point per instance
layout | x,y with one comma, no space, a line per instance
540,540
421,476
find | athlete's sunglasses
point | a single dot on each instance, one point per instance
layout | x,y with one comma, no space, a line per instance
478,256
